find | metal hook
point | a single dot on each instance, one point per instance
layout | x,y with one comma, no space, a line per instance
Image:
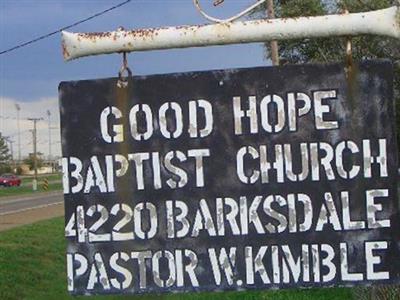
123,80
349,56
218,2
349,52
349,48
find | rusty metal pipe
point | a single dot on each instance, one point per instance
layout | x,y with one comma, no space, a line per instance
385,22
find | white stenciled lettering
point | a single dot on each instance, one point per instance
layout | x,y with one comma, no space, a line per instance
117,129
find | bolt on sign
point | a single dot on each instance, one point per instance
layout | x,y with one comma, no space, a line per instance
236,179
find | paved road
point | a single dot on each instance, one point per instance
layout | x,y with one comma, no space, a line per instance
17,204
20,210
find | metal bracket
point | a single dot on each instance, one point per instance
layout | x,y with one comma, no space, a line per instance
385,22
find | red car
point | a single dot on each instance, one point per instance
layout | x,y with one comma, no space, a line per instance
10,180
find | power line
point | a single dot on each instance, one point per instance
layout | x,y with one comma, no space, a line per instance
64,28
7,118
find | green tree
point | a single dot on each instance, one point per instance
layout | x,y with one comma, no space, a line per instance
30,161
5,156
333,49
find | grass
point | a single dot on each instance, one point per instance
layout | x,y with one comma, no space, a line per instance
32,266
21,190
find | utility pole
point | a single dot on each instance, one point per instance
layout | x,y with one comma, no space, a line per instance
34,138
48,115
273,44
19,133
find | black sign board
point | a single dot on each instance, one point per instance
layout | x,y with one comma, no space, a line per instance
228,180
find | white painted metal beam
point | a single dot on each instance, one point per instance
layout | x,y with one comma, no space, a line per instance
385,22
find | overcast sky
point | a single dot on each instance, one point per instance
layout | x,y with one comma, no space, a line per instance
30,76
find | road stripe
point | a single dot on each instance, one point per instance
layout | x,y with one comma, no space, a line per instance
29,208
28,197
